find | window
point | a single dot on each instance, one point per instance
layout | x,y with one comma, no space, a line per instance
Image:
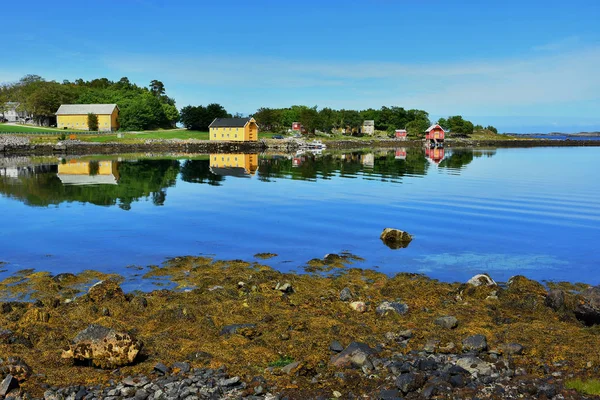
222,135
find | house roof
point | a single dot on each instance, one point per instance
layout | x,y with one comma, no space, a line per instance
229,122
84,109
433,126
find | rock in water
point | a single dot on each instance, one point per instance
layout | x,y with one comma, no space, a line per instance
104,347
106,290
395,238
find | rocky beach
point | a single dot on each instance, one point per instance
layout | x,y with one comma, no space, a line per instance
241,330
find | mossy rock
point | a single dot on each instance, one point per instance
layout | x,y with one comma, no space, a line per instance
395,238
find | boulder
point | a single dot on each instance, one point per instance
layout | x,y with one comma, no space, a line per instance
481,280
512,348
359,306
393,307
475,365
555,299
9,383
477,343
105,291
291,368
247,330
588,310
104,347
395,238
355,355
409,382
447,322
285,287
16,367
345,294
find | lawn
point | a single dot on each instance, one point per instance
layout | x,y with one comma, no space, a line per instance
4,128
180,134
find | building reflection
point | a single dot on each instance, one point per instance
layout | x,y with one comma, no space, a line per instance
400,154
238,165
77,172
434,154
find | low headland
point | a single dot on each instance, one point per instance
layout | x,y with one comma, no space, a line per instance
240,329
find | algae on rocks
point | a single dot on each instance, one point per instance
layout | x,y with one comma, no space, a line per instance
395,238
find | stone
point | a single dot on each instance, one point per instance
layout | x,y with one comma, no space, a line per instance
359,306
477,343
555,299
246,330
182,367
291,368
345,294
393,307
355,355
162,369
481,280
104,347
336,346
201,357
512,348
9,383
285,288
431,345
447,322
389,394
457,381
140,302
474,365
229,382
588,310
5,335
105,291
409,382
395,238
16,367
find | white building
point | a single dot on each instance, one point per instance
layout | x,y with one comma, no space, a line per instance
10,113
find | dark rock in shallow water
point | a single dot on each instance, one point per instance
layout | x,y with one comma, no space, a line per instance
355,355
477,343
395,238
391,307
448,322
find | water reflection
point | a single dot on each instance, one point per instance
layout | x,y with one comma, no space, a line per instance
120,182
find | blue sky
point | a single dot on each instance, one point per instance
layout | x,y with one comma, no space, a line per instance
520,65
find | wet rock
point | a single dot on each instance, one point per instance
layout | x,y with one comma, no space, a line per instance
512,348
481,280
104,347
447,322
393,307
475,365
345,294
477,343
395,238
336,346
409,382
355,355
555,299
588,311
359,306
16,367
105,291
9,383
247,330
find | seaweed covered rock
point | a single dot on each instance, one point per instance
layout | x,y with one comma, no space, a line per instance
481,280
104,347
588,310
105,291
395,238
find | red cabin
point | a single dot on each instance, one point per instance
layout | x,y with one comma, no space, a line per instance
435,134
401,134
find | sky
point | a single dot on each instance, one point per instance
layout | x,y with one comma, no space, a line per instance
523,66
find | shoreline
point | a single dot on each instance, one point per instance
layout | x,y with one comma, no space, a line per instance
337,329
197,146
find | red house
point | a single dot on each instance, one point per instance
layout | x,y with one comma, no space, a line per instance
435,134
401,134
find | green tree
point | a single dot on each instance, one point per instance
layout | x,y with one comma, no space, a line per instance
416,128
92,121
171,113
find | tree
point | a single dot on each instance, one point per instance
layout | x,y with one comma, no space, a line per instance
458,125
491,128
157,88
92,122
417,128
198,118
171,113
309,118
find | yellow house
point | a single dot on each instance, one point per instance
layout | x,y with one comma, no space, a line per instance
77,172
234,130
75,116
241,165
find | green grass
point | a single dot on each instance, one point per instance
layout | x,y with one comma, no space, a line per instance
25,129
591,386
281,362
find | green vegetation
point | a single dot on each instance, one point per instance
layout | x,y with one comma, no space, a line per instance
140,108
591,386
5,128
92,122
200,117
282,361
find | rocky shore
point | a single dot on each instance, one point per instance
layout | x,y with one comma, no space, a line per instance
241,330
20,145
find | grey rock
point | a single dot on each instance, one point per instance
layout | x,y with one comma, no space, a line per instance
481,280
9,383
391,307
336,346
589,310
395,238
285,288
448,322
477,343
355,355
409,382
162,369
345,294
390,394
141,394
555,299
182,366
229,382
475,365
290,368
234,328
512,348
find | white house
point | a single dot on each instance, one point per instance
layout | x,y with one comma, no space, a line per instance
10,113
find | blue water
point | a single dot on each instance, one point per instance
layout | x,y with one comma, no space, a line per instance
528,211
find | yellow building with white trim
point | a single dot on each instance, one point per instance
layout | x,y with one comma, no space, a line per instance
75,116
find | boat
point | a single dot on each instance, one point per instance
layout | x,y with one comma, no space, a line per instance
314,145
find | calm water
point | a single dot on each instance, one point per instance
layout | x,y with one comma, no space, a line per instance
507,211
